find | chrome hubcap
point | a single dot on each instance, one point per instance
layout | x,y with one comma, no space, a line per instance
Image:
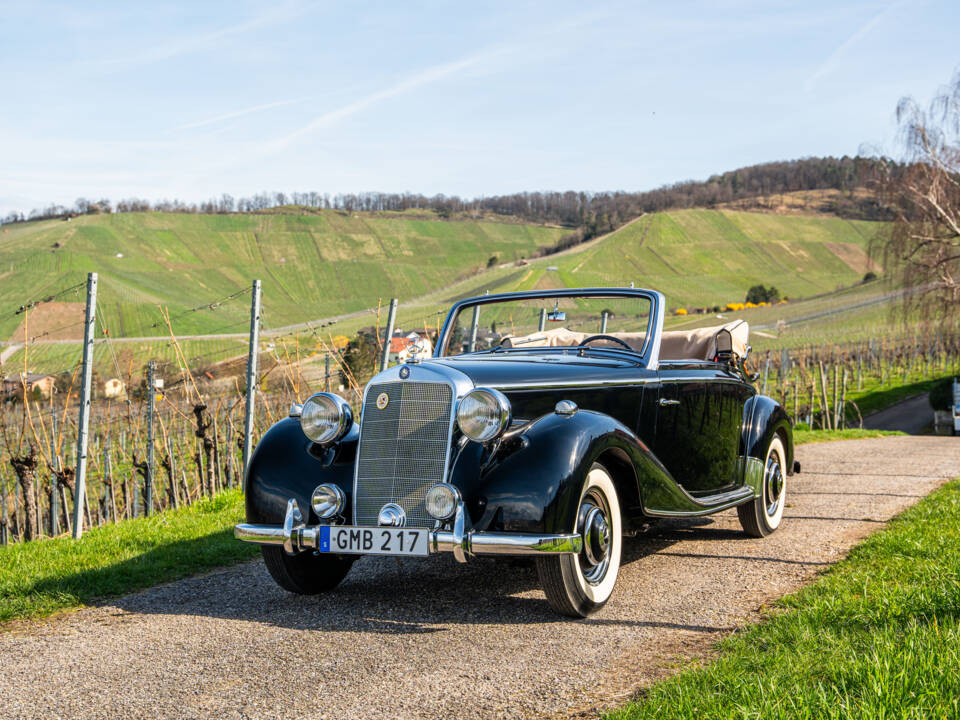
595,529
773,484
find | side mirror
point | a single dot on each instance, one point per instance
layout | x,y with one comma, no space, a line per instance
556,315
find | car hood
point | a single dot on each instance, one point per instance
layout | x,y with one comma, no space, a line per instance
517,370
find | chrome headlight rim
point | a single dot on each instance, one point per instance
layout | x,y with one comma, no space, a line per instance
327,500
502,411
457,498
340,412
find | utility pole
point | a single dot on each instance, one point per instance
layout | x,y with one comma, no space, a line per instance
252,355
83,424
391,318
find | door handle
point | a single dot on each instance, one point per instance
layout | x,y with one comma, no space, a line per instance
664,402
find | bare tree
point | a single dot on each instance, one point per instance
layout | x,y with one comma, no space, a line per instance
922,247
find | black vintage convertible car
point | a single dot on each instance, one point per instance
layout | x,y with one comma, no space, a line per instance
546,424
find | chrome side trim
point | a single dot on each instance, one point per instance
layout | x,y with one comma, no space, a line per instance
709,505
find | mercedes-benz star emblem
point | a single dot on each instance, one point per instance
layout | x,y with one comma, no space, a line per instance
404,372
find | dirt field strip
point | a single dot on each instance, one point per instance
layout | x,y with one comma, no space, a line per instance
432,639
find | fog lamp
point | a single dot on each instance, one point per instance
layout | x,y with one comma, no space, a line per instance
327,500
441,501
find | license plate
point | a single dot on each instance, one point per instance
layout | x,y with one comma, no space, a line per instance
373,541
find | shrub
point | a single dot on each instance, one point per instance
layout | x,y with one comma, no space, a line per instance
680,311
869,277
941,395
759,294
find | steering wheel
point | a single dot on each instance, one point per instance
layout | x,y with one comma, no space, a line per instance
606,337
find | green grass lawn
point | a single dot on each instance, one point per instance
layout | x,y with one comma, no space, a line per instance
41,577
802,435
878,636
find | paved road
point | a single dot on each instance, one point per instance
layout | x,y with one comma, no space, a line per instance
910,416
432,639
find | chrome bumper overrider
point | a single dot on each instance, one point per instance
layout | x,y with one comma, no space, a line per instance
294,536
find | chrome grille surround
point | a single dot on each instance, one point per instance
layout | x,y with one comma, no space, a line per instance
404,448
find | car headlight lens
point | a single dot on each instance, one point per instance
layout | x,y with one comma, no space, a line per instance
483,414
441,501
327,500
325,418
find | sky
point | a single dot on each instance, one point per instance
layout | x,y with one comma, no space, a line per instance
193,99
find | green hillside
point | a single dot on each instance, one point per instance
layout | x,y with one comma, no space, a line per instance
333,264
709,257
312,266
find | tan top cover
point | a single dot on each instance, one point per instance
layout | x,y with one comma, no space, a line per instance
701,343
697,344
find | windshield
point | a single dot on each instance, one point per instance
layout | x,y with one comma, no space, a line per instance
514,324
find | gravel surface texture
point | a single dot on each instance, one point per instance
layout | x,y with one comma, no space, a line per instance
433,639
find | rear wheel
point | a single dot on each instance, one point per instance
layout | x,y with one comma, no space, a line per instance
305,573
577,585
762,515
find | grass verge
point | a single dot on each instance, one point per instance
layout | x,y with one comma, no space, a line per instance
877,637
44,576
802,436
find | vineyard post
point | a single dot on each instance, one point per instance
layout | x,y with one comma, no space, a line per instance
251,376
83,422
54,481
111,501
326,373
543,320
3,509
603,322
151,408
766,370
391,318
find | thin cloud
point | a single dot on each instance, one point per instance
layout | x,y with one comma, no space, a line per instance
235,114
421,79
828,65
203,41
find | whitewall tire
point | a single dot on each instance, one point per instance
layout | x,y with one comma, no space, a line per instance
578,585
763,514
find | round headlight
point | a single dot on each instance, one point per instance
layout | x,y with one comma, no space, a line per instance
441,501
327,500
483,414
325,418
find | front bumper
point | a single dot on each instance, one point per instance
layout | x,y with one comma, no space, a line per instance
294,536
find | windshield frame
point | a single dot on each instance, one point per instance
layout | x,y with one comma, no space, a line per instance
651,348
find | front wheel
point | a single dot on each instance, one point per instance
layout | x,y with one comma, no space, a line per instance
762,515
306,573
578,585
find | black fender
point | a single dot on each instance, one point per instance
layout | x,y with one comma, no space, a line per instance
531,482
763,418
287,464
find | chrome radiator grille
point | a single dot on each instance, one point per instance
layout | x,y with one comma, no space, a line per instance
403,449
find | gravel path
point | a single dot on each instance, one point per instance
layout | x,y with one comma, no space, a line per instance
433,639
